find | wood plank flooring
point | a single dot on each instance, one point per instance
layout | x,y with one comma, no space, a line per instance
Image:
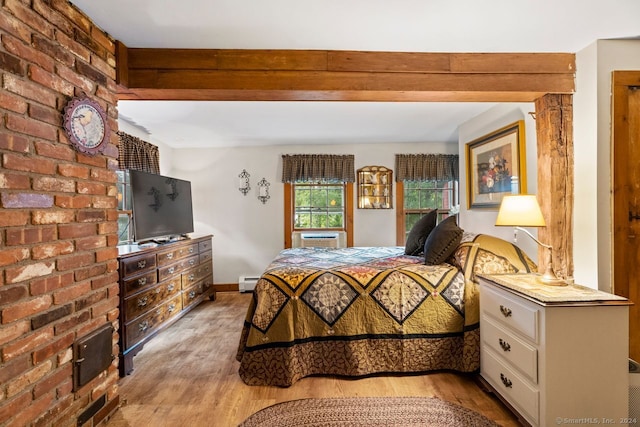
187,375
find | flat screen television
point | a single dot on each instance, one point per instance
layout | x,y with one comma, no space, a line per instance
162,206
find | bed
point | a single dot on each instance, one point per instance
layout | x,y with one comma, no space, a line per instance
361,311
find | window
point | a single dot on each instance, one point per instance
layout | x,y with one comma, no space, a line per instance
416,198
318,206
125,232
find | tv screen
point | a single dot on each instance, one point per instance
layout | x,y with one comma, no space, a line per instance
162,206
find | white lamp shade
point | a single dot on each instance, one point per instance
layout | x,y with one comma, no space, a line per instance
520,210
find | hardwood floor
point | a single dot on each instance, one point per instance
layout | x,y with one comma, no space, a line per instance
187,375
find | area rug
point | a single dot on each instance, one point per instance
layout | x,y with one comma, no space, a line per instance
367,411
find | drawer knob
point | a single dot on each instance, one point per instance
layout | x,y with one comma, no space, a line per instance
170,255
506,381
171,308
143,326
192,261
506,312
170,287
192,294
142,281
142,302
171,270
190,250
142,264
505,345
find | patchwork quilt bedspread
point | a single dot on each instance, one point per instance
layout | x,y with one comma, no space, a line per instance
357,311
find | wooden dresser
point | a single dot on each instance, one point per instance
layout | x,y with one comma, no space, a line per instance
555,355
158,285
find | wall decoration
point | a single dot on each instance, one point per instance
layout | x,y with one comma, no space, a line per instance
496,166
263,191
243,184
86,125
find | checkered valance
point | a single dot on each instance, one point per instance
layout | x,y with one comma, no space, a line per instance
134,153
426,167
318,167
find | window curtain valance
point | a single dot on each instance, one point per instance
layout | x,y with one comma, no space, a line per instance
426,167
318,167
134,153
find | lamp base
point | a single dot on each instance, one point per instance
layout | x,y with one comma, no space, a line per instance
549,278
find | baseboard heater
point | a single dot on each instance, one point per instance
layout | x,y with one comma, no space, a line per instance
247,283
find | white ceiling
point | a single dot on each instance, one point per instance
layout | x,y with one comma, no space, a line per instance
377,25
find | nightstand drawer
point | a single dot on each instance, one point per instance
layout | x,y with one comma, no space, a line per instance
521,318
512,349
519,392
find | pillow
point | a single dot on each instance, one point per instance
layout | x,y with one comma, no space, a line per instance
419,232
442,241
486,254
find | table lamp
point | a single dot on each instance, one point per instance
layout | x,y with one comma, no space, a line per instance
524,211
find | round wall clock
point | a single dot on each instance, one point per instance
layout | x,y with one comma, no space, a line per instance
85,123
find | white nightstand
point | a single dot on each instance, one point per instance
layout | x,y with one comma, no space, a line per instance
555,355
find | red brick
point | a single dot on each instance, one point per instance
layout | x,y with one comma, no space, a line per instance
13,103
108,227
27,344
104,280
90,243
27,236
96,161
107,95
29,377
91,216
91,326
53,348
13,142
72,322
27,52
43,8
80,51
31,412
72,231
52,250
50,283
12,218
52,381
90,272
31,127
73,262
11,407
29,164
26,200
14,27
13,331
52,48
73,170
13,256
13,181
104,175
11,64
104,66
106,202
104,307
28,16
28,272
48,183
44,114
92,73
30,90
55,151
51,81
71,293
75,202
88,187
52,217
84,83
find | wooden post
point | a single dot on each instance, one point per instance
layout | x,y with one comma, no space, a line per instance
554,129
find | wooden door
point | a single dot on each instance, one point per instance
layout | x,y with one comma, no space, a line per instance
626,198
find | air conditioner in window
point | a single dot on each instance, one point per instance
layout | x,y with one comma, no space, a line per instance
318,239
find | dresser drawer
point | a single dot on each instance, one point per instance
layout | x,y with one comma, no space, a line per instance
177,267
139,328
521,318
522,395
140,303
512,349
169,256
138,283
204,246
138,264
189,296
206,257
195,274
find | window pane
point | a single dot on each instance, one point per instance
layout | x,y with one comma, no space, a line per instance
422,196
319,206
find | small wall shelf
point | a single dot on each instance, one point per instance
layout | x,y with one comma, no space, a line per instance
375,187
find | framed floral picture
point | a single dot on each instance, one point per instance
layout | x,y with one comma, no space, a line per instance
496,166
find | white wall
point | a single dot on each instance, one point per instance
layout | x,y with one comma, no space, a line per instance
592,141
249,234
483,220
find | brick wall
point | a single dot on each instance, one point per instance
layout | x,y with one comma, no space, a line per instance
58,230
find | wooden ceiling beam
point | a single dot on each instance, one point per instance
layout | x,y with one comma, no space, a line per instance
271,75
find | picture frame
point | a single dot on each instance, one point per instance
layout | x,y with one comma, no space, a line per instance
496,166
